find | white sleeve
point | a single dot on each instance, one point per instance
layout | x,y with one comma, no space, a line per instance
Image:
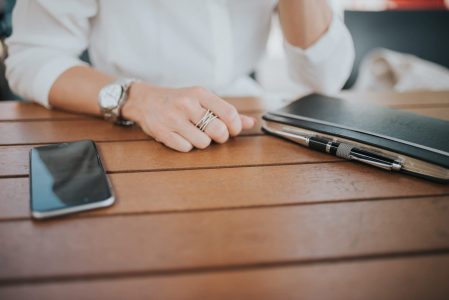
326,65
48,37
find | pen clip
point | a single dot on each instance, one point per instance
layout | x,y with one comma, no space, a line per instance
386,166
290,135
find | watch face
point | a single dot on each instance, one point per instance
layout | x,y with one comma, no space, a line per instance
110,96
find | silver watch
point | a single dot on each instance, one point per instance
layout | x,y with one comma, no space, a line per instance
112,98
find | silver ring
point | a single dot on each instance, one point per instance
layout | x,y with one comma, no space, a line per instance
208,117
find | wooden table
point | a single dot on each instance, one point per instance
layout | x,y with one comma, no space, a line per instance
256,218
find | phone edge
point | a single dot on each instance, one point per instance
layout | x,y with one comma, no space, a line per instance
39,215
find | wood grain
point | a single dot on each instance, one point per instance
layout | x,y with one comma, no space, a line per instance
256,218
21,111
26,111
40,132
224,188
14,198
415,99
51,132
150,155
15,110
387,279
208,240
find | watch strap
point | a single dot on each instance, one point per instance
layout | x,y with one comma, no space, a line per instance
125,83
115,114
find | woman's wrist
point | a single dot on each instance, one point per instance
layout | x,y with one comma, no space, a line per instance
131,110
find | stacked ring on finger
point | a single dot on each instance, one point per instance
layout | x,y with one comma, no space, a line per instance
208,117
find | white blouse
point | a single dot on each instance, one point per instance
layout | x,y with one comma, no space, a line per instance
211,43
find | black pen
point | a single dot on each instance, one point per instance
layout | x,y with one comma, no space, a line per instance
340,149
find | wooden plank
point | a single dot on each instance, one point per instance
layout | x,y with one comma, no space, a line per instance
403,100
14,160
14,110
400,278
38,132
205,189
20,110
26,111
255,104
151,155
209,240
51,132
14,198
400,100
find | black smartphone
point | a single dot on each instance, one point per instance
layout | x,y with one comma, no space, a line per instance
67,178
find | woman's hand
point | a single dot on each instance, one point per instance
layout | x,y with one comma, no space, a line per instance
169,115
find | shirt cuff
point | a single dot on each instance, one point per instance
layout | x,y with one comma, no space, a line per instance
48,75
323,48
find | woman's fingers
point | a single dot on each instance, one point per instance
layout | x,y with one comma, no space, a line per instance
225,111
174,141
228,114
216,129
195,136
247,122
170,115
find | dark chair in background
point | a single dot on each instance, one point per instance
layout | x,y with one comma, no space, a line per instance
6,7
424,33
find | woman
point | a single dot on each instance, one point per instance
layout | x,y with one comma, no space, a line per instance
183,54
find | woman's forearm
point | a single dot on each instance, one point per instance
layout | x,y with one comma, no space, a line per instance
167,114
304,21
77,90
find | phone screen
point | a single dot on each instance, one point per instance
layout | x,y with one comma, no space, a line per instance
66,178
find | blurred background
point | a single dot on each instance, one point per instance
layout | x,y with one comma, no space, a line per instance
400,45
419,28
